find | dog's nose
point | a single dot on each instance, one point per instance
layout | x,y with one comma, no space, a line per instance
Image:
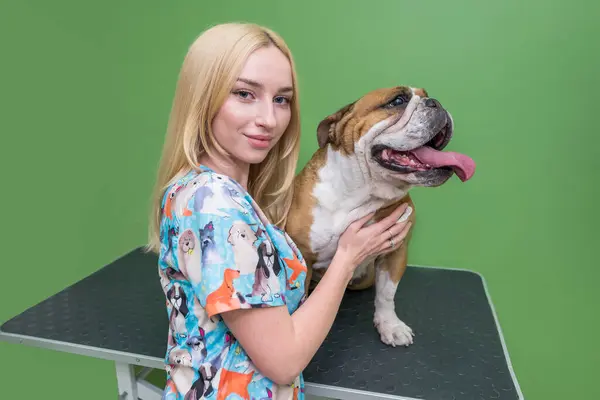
429,102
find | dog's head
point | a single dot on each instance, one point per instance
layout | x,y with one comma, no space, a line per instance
400,132
180,357
240,233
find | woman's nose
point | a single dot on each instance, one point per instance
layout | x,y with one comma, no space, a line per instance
266,116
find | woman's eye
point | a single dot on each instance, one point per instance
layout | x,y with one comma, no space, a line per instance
243,94
282,100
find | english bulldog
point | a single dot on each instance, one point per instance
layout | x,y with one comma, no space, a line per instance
371,153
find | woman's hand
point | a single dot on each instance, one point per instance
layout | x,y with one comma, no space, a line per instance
359,242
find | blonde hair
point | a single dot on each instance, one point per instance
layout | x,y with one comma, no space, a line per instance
209,71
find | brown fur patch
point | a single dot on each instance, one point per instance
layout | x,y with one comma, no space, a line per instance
421,92
298,223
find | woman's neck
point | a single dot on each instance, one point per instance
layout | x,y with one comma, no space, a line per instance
238,171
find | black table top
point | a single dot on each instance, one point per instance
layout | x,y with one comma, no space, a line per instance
119,313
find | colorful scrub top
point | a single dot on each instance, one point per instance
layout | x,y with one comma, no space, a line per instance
219,253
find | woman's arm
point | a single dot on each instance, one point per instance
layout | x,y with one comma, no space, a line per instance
280,345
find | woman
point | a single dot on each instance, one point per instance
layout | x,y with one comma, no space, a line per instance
234,281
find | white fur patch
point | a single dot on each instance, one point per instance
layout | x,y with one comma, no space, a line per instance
346,193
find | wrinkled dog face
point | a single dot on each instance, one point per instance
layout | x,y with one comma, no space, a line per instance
419,121
399,133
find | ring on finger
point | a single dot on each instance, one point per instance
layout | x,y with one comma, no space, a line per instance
390,232
391,240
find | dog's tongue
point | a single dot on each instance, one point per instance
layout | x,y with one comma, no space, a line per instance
463,165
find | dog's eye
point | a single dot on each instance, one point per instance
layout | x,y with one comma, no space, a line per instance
396,101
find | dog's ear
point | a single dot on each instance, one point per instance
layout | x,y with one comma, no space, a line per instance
326,131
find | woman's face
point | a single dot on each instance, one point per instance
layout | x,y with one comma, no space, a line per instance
257,111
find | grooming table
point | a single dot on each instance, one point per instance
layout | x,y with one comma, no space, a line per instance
118,313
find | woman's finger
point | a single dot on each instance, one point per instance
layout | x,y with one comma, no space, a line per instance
359,223
392,231
390,245
393,241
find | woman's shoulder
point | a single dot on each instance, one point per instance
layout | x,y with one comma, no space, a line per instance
206,192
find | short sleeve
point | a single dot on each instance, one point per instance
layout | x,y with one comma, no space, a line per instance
224,250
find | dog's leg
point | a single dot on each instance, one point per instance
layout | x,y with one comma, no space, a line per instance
389,271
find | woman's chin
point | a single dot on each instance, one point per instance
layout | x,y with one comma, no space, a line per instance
254,156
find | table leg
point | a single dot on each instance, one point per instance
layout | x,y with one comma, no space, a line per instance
126,381
132,387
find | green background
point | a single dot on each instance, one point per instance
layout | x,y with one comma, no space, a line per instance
86,90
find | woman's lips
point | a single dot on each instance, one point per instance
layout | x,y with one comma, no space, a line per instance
259,141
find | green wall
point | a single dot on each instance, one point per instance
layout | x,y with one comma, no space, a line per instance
86,89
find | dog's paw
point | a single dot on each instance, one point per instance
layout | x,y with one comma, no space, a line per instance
392,330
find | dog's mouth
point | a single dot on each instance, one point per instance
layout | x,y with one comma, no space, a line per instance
426,157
